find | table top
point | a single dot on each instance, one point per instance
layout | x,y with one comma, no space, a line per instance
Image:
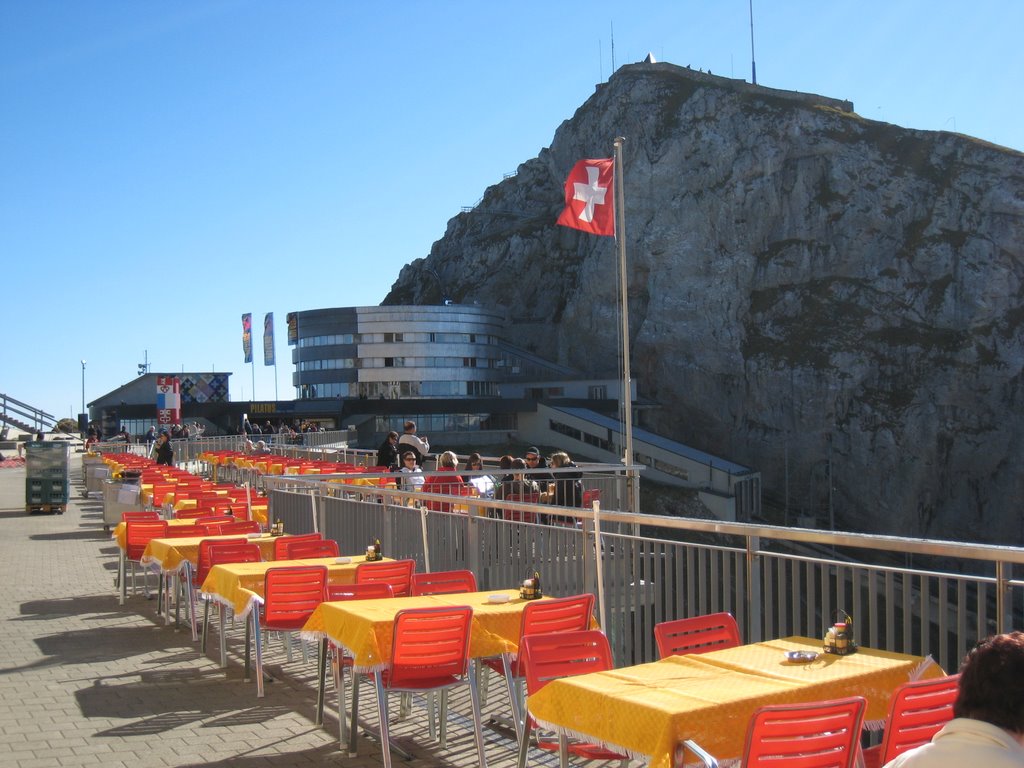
172,554
645,710
240,585
365,627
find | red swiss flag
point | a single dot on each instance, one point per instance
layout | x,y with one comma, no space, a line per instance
589,197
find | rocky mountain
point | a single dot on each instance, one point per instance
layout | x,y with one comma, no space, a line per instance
832,300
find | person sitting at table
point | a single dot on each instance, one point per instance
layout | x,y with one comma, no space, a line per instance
520,485
412,476
535,461
484,484
446,481
987,728
568,485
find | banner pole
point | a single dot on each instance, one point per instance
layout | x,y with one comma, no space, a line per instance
633,492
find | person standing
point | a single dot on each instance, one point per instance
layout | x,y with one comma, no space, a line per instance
410,441
987,728
387,454
164,451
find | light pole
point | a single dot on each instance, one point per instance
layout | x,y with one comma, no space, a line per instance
83,387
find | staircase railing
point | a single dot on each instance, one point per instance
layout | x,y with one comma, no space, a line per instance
25,416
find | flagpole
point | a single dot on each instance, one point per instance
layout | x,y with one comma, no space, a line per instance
627,395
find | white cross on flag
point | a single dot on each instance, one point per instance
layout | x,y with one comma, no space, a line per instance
589,197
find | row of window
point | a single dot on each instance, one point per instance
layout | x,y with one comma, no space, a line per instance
337,363
434,423
391,338
393,390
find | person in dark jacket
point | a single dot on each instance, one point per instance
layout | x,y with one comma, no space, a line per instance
164,451
387,454
568,485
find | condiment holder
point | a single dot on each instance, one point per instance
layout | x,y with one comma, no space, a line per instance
839,637
531,588
277,529
373,551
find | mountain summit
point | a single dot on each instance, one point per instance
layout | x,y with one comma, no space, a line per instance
834,301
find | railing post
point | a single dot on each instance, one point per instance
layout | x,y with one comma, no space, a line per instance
755,598
1003,618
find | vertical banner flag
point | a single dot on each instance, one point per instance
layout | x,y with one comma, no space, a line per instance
293,328
268,338
168,400
590,198
247,336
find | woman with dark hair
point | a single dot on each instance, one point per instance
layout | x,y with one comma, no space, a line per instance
412,477
387,454
164,451
484,484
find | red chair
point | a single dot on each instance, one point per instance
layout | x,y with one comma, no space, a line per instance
239,526
136,537
290,595
397,573
137,515
543,658
378,590
541,617
590,495
281,543
218,552
824,734
306,550
429,652
698,634
443,583
917,711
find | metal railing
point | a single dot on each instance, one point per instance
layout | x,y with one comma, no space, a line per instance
917,596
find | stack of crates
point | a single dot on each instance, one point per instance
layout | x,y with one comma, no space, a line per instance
47,476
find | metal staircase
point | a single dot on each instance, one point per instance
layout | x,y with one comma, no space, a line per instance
24,416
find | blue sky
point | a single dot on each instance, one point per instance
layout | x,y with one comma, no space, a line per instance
167,167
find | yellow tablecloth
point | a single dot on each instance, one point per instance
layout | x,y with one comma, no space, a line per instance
647,709
121,532
365,627
172,554
240,585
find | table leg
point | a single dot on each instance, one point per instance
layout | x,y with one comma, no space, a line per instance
258,640
321,682
121,573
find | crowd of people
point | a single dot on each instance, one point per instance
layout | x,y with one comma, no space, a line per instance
526,478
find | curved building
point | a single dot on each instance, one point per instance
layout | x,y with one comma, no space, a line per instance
445,351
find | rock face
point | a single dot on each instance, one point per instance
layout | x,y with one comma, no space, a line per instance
832,300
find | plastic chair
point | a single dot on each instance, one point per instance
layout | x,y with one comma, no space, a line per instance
443,583
290,595
340,661
590,495
397,573
136,537
429,652
304,550
517,516
541,617
698,634
218,552
917,711
239,526
139,515
281,543
543,658
823,734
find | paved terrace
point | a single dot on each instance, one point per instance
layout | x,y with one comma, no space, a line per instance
86,682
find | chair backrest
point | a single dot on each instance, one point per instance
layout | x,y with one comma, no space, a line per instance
428,645
823,734
375,590
516,515
223,551
698,634
544,658
203,563
239,526
916,712
140,514
291,594
138,533
281,543
302,550
561,614
443,583
590,495
397,573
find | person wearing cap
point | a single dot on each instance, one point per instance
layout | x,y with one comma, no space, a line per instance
164,451
535,461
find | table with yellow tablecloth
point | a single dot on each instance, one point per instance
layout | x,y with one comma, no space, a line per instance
171,555
645,710
121,531
240,585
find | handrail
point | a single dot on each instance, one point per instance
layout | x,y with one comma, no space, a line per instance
39,417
